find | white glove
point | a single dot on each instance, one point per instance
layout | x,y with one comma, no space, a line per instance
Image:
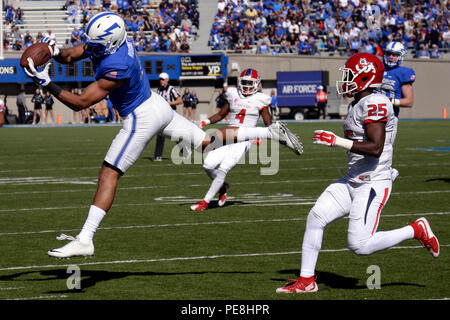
328,138
41,78
52,44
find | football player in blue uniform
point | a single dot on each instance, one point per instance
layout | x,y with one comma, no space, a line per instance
398,77
119,74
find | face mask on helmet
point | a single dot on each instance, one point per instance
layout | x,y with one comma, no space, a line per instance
94,49
361,71
249,82
393,54
105,33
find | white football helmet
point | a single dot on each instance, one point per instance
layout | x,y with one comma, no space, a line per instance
105,33
393,54
249,82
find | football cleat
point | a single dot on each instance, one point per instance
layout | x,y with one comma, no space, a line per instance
284,136
73,249
300,285
423,233
223,194
200,206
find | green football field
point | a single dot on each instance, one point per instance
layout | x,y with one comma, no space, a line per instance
150,246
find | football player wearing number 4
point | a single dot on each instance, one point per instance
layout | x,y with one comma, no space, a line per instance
370,129
119,75
245,104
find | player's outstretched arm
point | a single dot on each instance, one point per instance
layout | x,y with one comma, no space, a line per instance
94,93
65,55
68,55
375,133
216,117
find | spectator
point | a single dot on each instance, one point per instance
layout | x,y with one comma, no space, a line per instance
37,99
72,12
75,37
184,46
423,52
187,98
19,16
435,53
193,107
48,100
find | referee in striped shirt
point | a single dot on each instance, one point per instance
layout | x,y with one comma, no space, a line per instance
174,98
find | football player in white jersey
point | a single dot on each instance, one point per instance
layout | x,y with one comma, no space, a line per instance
244,104
370,129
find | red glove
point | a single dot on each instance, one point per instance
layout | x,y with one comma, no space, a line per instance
257,142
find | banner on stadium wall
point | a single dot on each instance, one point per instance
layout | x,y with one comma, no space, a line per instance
201,66
298,88
177,66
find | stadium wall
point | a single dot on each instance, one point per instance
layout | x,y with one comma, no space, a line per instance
429,89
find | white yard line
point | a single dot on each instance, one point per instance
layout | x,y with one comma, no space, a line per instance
41,297
193,224
218,256
188,200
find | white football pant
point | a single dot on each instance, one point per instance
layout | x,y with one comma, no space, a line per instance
362,204
139,127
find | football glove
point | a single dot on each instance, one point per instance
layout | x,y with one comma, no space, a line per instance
39,77
52,44
328,138
257,142
204,123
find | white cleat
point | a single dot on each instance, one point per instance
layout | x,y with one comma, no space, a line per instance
284,136
73,249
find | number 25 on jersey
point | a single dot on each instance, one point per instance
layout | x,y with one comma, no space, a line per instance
377,110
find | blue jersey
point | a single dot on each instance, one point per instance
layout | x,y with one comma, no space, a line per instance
396,77
124,64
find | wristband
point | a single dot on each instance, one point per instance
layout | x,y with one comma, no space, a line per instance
54,89
343,143
207,121
396,102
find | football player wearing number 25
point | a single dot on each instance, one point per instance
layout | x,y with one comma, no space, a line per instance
119,74
244,104
370,129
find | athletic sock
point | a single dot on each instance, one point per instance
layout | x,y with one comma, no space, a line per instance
93,220
252,133
215,185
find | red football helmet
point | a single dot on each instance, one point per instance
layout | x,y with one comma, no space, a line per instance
361,71
249,82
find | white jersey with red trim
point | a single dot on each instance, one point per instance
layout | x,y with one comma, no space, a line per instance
245,111
372,108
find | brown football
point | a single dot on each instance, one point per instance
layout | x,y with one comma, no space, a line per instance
39,52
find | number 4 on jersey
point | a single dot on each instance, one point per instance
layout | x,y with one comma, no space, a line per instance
241,115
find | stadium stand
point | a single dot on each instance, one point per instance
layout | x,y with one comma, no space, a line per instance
331,27
154,26
325,27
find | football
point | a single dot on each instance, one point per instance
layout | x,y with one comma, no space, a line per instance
40,53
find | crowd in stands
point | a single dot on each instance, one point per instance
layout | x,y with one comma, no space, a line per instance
164,27
331,26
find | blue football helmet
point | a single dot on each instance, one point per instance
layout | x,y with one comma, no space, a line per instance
393,54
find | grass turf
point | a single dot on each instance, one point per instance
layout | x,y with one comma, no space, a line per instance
151,247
